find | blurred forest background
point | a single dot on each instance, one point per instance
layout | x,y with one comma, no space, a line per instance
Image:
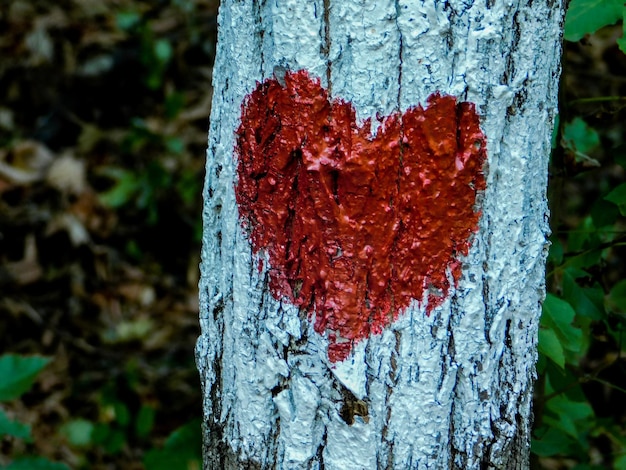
104,109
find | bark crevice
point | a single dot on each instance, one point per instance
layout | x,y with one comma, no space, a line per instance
326,44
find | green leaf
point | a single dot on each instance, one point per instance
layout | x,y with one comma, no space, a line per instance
621,42
569,416
550,346
555,255
122,415
183,449
620,463
584,237
188,186
133,250
115,442
604,213
35,463
618,197
578,136
100,433
553,442
78,432
17,374
585,259
163,50
558,316
587,16
174,104
125,188
145,421
187,437
616,300
164,459
127,20
175,145
588,302
561,381
9,427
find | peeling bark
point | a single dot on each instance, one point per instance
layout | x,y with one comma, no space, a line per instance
452,389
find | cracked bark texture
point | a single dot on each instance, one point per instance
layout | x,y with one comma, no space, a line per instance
449,390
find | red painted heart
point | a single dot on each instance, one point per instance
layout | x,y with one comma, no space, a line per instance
356,226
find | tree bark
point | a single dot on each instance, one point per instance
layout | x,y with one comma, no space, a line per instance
451,389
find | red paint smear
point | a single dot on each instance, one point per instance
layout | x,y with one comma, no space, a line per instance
357,226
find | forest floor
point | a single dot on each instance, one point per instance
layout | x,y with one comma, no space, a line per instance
104,111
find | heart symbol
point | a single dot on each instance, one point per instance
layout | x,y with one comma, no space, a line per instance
357,226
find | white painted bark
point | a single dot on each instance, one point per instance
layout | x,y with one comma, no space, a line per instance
452,390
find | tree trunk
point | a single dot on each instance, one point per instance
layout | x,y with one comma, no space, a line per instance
446,380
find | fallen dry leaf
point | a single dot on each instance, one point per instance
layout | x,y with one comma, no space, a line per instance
67,174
